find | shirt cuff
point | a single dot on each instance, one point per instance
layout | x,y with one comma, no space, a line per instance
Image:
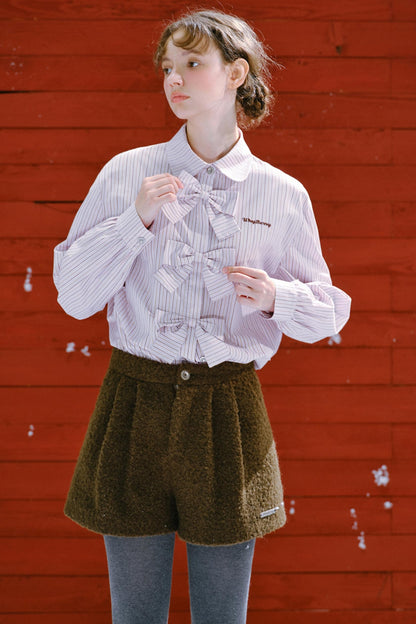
284,302
132,229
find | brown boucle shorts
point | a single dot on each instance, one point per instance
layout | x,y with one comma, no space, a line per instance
178,447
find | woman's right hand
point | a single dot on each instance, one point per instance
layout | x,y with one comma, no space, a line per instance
155,191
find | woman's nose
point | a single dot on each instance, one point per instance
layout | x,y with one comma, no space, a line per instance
175,78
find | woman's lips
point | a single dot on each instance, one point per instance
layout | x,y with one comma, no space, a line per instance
179,98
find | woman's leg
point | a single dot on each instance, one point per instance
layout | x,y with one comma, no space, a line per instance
219,581
140,575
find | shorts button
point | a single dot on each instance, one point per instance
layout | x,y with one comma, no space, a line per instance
185,375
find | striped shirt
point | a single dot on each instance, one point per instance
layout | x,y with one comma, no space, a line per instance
167,298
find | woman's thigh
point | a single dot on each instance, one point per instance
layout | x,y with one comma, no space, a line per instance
219,581
140,576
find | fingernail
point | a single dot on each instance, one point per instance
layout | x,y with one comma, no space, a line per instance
225,269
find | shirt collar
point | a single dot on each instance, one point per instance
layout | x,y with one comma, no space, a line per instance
236,164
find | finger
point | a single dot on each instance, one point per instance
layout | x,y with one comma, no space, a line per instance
243,279
257,273
161,191
241,289
162,178
161,182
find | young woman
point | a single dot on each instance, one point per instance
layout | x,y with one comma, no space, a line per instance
204,255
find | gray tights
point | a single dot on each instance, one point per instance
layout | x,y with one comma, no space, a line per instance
140,575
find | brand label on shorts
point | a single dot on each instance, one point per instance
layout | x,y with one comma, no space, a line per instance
268,512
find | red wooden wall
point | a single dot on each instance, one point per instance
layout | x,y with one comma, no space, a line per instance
78,87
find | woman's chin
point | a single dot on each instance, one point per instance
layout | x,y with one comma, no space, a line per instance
180,115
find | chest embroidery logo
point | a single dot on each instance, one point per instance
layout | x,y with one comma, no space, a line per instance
256,221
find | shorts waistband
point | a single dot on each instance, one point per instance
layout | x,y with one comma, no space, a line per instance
187,373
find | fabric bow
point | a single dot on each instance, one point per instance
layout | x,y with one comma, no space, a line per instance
220,205
173,330
178,263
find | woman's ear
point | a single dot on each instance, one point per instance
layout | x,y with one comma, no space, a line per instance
238,71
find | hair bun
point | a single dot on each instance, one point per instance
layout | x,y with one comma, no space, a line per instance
253,96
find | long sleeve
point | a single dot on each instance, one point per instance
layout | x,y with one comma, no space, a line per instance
307,306
91,265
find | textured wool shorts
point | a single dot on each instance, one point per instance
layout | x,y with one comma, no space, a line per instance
178,447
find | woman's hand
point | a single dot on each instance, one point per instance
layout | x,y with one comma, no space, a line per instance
254,287
154,192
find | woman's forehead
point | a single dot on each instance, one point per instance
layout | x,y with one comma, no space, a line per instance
178,40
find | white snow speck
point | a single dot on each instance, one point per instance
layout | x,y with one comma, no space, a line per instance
353,513
70,347
31,431
355,526
85,351
27,286
292,507
388,504
335,339
381,476
361,541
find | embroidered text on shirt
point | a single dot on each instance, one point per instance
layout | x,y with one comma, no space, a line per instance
256,221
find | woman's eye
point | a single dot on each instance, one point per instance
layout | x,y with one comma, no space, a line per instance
166,70
193,63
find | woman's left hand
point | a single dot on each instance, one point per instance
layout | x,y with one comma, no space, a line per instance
254,287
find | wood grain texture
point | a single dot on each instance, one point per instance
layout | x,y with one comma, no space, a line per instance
49,480
57,440
296,553
97,146
294,616
78,87
56,182
298,9
134,73
290,367
314,515
335,219
125,110
34,329
326,38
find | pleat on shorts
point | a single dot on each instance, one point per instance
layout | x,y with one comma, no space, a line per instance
183,448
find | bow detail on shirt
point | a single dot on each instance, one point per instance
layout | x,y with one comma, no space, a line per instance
178,263
172,331
219,205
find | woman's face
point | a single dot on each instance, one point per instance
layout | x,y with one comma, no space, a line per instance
196,82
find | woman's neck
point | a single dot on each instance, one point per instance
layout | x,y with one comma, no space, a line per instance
211,141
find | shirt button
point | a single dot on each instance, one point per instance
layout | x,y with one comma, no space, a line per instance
210,170
185,375
202,359
140,240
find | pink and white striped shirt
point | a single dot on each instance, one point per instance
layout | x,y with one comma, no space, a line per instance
166,296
